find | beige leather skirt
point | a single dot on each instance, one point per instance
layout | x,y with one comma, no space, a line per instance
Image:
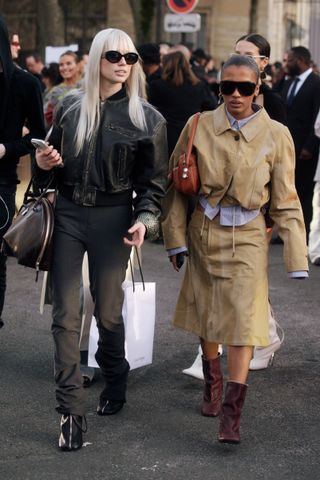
224,294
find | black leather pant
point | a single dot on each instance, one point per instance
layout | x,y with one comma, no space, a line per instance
100,232
7,209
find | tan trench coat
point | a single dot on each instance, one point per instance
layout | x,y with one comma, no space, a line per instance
224,295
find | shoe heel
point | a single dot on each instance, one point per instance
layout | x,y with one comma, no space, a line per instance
271,360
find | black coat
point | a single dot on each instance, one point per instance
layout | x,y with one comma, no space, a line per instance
301,119
303,112
177,104
273,104
20,104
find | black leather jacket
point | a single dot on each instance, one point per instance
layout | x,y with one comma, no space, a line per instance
118,160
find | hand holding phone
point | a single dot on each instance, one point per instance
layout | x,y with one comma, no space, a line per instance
41,144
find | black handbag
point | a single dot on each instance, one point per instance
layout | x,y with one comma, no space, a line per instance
29,238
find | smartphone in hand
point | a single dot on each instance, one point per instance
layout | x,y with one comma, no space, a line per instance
41,144
180,259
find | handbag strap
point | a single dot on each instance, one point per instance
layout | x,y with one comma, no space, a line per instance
192,134
140,269
28,192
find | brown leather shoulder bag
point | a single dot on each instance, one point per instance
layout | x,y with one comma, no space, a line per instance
29,238
185,176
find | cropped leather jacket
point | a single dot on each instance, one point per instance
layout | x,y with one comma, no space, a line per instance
119,159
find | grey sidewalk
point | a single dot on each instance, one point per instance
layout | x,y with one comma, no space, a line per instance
160,433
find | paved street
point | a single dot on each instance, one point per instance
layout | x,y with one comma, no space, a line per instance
160,433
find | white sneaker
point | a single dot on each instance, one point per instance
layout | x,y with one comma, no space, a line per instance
196,368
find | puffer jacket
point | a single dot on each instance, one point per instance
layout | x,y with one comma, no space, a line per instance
118,160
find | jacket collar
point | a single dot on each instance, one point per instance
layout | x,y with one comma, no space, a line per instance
122,93
249,131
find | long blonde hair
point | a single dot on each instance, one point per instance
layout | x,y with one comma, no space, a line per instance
108,39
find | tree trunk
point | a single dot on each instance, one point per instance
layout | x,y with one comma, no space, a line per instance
143,14
253,16
50,25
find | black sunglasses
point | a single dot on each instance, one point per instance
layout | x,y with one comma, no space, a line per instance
227,87
114,57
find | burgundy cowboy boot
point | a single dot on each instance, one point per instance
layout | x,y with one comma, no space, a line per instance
235,394
212,396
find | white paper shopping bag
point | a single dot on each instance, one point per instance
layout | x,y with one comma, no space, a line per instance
139,320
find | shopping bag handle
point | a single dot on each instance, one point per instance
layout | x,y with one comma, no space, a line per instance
140,270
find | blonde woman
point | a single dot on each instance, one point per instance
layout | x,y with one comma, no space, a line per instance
113,142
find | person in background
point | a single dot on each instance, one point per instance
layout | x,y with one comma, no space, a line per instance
51,78
35,65
245,160
183,49
83,60
198,62
314,236
150,55
69,71
164,49
20,102
113,143
15,46
282,76
169,93
302,97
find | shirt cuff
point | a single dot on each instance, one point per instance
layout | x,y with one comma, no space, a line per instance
175,251
300,274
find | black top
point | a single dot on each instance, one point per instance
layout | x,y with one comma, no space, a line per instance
273,104
20,104
177,104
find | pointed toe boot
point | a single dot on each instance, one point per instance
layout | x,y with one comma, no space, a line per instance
229,431
212,396
71,432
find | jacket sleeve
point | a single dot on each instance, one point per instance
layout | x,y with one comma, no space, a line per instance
33,110
150,172
285,208
42,177
312,141
175,204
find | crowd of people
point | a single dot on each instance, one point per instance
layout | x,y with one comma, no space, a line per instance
114,117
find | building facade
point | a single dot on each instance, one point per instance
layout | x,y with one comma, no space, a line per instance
285,23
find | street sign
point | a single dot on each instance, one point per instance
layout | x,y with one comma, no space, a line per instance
182,23
181,6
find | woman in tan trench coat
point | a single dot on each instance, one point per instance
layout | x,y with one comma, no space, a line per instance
244,159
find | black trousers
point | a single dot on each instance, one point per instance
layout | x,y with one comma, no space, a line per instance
100,232
7,209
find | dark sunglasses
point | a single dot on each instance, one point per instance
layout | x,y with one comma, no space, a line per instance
227,87
114,57
15,44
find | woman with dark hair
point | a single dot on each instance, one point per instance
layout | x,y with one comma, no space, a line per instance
255,46
178,95
245,160
258,48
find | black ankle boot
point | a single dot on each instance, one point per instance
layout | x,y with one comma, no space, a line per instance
109,407
71,432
